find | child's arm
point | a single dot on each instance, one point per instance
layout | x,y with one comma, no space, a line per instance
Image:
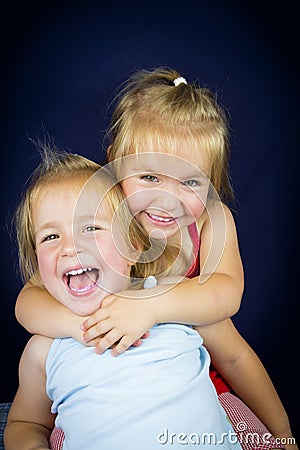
40,313
124,319
235,360
30,420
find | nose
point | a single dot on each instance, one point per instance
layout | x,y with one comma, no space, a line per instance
69,247
168,200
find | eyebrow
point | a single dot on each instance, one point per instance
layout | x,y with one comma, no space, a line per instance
142,168
189,176
44,227
77,219
86,217
92,218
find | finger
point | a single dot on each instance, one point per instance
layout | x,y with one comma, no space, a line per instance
97,330
145,335
94,319
108,341
122,346
91,343
137,343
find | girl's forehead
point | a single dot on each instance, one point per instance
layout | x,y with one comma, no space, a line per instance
185,140
182,146
161,163
92,199
87,196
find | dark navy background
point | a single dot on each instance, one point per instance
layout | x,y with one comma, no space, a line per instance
61,66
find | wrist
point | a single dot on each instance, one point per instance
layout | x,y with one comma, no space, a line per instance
160,304
74,327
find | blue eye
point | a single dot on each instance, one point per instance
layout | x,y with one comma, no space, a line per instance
191,183
50,237
149,178
91,228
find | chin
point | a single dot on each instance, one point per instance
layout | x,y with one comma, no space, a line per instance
85,307
84,311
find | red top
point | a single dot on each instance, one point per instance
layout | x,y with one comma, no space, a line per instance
193,271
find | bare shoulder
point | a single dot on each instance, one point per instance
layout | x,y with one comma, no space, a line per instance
215,210
228,216
219,248
36,350
217,223
38,341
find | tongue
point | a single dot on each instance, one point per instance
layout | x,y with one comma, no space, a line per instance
85,279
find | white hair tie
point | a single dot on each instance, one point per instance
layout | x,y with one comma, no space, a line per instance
179,80
150,282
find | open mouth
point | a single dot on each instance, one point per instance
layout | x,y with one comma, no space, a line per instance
81,280
163,220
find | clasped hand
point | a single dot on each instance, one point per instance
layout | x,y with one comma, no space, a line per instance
119,323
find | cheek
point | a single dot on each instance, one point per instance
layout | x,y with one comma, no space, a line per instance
116,276
198,210
195,206
129,187
112,252
46,266
196,202
42,261
115,261
140,200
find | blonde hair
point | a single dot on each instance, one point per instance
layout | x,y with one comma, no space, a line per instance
151,112
58,166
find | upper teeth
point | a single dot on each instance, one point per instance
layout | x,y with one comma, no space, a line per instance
78,271
161,219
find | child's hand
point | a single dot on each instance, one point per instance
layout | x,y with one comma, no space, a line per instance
94,342
120,322
75,331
